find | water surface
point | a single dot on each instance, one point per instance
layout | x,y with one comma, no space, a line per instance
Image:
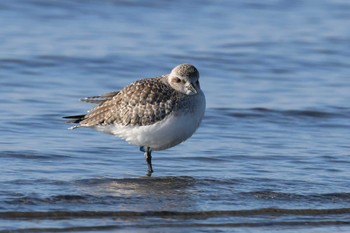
272,153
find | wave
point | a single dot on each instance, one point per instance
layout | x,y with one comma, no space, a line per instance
334,117
170,214
334,112
166,226
31,155
114,220
127,190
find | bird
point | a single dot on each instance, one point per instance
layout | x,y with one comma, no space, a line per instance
153,113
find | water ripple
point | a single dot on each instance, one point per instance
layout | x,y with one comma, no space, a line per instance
266,112
172,214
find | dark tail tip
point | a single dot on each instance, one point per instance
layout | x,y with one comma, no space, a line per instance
74,119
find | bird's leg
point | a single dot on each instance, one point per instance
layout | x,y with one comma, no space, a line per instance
148,158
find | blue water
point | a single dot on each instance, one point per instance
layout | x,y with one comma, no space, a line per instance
272,153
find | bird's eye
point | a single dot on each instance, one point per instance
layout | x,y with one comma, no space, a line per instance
177,80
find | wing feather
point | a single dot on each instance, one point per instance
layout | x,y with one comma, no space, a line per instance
100,98
143,102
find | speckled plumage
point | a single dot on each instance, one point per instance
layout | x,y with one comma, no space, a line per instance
154,113
143,102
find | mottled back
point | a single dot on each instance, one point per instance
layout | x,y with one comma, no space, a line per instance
143,102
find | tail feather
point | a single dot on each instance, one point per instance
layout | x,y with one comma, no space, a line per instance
74,119
99,99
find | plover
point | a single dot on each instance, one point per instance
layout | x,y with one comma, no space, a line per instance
154,113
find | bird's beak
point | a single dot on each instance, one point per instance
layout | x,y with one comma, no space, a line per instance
190,89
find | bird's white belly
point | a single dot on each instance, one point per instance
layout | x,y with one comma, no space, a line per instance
159,136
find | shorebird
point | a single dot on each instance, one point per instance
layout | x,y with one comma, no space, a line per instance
154,113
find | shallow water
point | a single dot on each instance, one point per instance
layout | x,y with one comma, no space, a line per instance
272,153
